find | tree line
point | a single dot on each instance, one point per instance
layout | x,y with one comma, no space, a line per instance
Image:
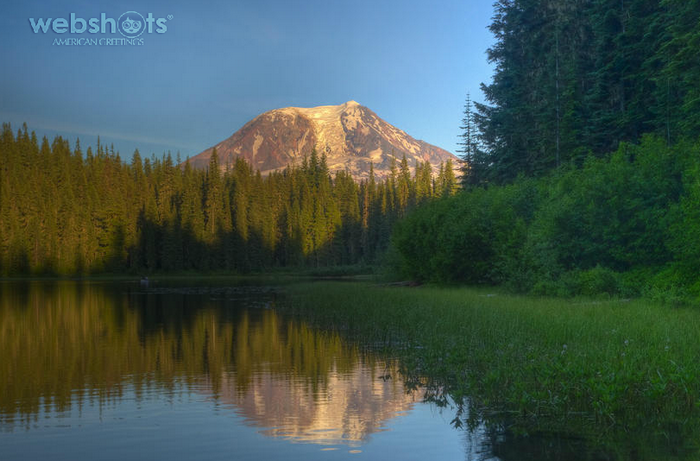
68,211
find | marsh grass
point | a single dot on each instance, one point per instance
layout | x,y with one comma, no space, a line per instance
606,364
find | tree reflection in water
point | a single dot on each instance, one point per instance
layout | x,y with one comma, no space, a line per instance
65,342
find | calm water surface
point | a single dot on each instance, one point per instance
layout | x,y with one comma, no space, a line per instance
180,371
119,371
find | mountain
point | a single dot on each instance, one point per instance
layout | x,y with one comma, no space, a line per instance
351,136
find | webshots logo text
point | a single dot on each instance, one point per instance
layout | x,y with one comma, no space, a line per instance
96,31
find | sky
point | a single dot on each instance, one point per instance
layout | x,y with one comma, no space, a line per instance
215,65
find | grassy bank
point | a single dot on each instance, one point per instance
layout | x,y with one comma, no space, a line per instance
542,362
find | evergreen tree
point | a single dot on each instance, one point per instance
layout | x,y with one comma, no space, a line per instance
66,211
474,162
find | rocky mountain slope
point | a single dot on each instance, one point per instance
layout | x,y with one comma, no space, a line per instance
351,136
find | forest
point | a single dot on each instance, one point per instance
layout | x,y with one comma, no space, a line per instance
581,175
575,78
68,212
583,164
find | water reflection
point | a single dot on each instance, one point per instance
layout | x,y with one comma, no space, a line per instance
347,408
67,343
169,372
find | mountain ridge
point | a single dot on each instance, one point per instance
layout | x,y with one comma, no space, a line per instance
351,135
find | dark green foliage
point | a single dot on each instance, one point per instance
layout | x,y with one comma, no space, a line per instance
69,212
462,238
573,82
627,224
582,76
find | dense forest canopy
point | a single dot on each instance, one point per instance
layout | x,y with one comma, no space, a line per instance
65,211
575,78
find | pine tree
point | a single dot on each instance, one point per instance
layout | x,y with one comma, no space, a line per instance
473,168
403,186
449,182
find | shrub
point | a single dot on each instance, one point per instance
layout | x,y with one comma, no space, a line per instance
614,226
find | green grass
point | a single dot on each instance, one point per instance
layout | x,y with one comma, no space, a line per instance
606,364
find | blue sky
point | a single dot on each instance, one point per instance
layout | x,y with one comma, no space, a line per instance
221,63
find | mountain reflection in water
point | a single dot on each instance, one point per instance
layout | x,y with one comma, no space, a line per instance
66,343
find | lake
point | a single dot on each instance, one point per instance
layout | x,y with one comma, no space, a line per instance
179,370
226,369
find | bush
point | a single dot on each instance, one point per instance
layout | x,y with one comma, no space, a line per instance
474,237
615,226
599,280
